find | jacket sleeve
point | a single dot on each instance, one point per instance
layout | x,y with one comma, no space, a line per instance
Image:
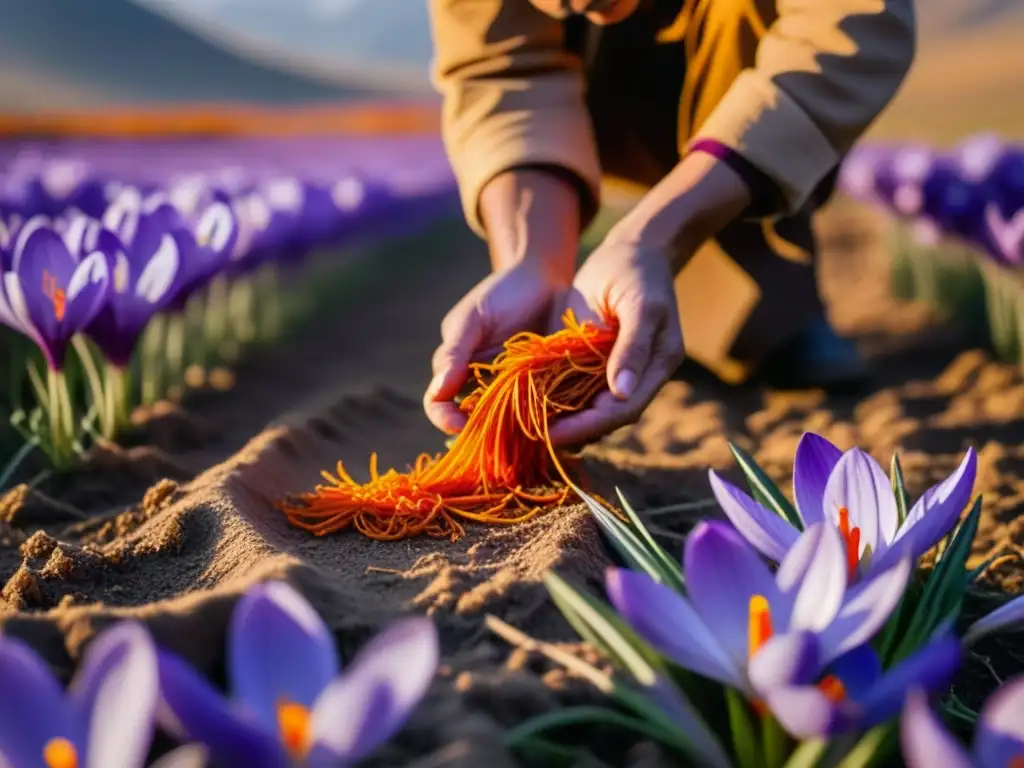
512,97
823,72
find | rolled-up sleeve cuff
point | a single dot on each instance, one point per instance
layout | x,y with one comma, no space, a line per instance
522,139
759,122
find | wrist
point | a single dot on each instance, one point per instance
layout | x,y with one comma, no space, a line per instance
690,205
532,219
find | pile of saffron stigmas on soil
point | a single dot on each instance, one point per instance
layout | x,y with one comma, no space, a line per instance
502,467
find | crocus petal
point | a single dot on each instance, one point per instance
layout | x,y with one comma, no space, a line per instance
858,670
667,621
937,511
193,710
1000,733
216,228
158,275
7,316
27,230
931,669
122,686
805,711
19,307
390,676
46,264
279,648
859,485
786,661
188,756
1009,616
815,459
765,530
32,706
348,722
723,572
75,234
86,291
926,743
813,577
866,608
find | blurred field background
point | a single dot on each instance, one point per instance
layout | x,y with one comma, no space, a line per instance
58,56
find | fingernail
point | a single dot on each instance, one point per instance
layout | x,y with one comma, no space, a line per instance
436,383
624,383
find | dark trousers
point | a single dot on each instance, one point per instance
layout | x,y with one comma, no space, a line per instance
754,286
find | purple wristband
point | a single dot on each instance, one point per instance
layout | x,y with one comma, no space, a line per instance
765,198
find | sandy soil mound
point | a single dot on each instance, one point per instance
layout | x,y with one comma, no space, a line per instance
178,554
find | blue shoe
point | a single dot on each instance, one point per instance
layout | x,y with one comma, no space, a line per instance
816,358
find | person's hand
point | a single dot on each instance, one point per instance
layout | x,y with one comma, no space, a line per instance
509,301
636,284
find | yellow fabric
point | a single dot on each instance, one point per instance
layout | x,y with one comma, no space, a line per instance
512,96
789,84
712,320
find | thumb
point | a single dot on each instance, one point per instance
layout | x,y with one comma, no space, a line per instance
632,350
451,360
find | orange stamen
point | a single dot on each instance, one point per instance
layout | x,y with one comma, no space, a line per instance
56,295
293,720
851,540
502,467
833,688
1017,761
759,625
60,753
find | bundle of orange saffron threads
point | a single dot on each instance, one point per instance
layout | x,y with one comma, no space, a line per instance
502,467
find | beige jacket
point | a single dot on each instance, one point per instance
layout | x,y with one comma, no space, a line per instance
816,74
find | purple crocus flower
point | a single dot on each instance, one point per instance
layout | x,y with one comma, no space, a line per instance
855,693
852,492
145,261
1005,235
738,614
216,234
998,736
104,720
49,293
289,705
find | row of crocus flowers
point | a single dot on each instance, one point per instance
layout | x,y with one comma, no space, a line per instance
98,239
795,634
973,193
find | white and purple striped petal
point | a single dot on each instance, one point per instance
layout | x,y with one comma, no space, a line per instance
666,620
815,459
770,534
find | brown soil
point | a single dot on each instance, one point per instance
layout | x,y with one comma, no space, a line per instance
172,532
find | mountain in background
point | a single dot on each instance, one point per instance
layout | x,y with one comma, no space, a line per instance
69,54
388,37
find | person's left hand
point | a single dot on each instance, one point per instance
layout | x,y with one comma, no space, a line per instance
635,282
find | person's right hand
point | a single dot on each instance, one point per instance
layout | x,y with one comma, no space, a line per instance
514,299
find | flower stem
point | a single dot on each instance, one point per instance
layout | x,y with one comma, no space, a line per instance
61,424
215,325
116,398
268,305
96,388
152,360
175,355
241,310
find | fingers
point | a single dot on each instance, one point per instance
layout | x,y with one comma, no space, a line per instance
634,344
461,335
608,411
